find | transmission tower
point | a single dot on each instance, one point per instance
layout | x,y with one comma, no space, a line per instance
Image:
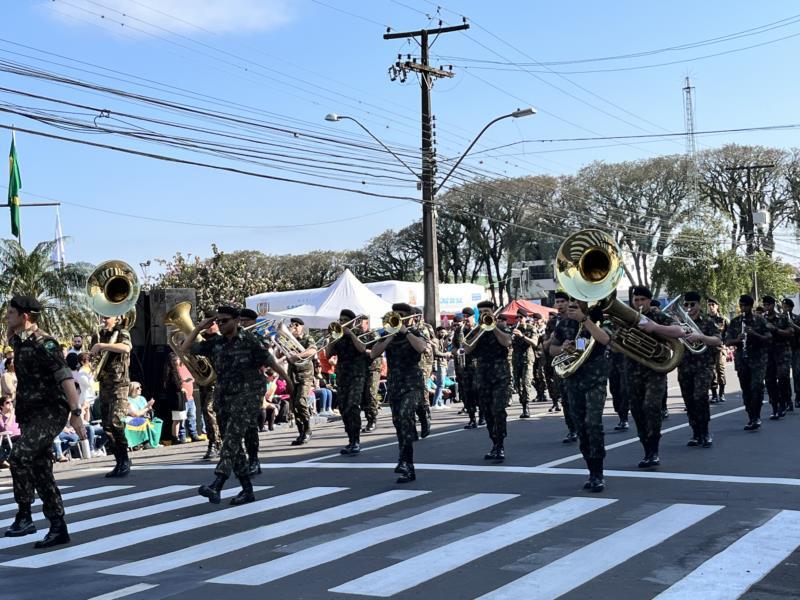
688,112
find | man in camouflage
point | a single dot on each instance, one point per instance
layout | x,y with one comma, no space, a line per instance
465,365
205,395
748,333
616,385
371,400
645,386
522,342
586,386
247,318
794,343
351,378
561,392
551,379
720,354
695,371
779,358
115,340
491,349
46,395
426,360
237,357
405,386
301,374
539,379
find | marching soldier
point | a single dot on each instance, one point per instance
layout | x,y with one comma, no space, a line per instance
749,334
794,342
301,374
551,379
207,407
779,358
587,385
247,317
371,401
655,307
491,352
522,343
616,384
720,353
539,379
114,383
426,365
561,302
465,366
406,385
695,371
46,395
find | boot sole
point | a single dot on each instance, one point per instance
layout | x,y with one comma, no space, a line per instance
237,501
27,531
212,497
50,543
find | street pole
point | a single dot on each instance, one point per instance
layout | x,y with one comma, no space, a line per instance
7,205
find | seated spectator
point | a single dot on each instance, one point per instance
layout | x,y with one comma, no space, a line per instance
9,431
141,427
63,444
283,396
8,380
448,391
270,404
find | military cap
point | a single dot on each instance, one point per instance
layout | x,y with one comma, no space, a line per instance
402,307
26,304
297,320
788,302
641,290
347,313
467,311
228,310
559,295
746,299
537,315
248,313
768,300
691,297
486,304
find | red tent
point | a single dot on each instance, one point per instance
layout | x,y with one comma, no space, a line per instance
510,311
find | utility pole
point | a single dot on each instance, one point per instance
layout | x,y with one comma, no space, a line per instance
7,205
427,75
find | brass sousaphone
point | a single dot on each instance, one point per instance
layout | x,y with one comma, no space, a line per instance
178,320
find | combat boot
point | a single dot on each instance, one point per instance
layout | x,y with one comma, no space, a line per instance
306,434
246,495
500,451
124,466
425,426
212,492
22,525
598,483
481,421
408,474
298,441
695,439
356,447
57,534
525,414
472,424
254,467
115,471
492,454
212,452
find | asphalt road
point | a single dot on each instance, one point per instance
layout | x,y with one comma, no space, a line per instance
712,523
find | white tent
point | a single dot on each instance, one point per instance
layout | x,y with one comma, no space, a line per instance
318,307
452,296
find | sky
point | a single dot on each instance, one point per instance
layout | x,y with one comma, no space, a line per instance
289,63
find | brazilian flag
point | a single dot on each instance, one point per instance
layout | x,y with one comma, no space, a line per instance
14,186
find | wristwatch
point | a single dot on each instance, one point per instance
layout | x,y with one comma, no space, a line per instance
77,411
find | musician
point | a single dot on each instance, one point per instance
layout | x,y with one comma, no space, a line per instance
237,357
645,386
301,374
440,359
586,387
46,395
616,385
779,358
749,334
539,379
523,341
558,391
210,417
720,353
114,380
696,370
405,384
493,377
465,366
426,365
371,400
788,306
655,307
351,378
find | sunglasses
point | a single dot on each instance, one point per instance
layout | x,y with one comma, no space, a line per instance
223,321
689,304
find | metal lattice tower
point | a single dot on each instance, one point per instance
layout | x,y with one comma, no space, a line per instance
688,112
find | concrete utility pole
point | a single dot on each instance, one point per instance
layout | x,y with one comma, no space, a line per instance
427,75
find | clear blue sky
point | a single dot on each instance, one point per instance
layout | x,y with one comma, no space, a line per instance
298,60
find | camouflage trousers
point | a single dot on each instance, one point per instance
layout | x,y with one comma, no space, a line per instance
539,380
237,417
552,380
206,397
796,373
587,397
251,440
522,376
751,381
566,407
467,390
646,390
31,465
718,372
351,393
403,408
694,389
616,384
777,380
299,404
494,396
370,400
113,401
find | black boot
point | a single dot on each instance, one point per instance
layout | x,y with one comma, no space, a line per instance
695,440
481,421
306,433
525,414
22,525
598,483
246,495
407,474
212,492
645,462
491,454
400,467
57,534
654,459
254,467
500,451
346,450
115,471
425,426
298,441
472,424
212,452
124,466
356,447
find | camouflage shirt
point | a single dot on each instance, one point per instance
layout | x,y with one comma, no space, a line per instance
779,344
376,362
701,362
351,361
568,330
403,363
521,349
794,342
754,351
116,368
40,367
305,370
492,356
237,361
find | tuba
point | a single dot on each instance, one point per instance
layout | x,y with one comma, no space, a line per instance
676,311
179,321
589,267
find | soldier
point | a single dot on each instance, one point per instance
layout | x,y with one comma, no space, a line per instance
351,379
587,385
491,352
406,385
371,400
794,342
247,318
720,353
539,379
645,386
522,343
237,357
46,395
779,358
301,374
114,382
210,418
616,384
748,333
696,370
655,307
465,366
561,392
440,356
551,379
426,365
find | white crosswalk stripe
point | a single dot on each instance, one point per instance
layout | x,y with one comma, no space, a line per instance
144,534
575,569
251,537
338,548
106,489
11,495
747,561
425,566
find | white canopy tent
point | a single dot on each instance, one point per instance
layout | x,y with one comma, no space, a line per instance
452,296
318,307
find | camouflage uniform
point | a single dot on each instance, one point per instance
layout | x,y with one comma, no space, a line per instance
371,400
42,411
405,386
616,384
114,382
562,393
779,361
493,376
522,363
539,379
720,360
351,381
466,369
750,362
426,359
239,392
302,377
206,396
694,377
552,380
794,342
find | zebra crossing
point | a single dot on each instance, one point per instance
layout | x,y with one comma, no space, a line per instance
422,537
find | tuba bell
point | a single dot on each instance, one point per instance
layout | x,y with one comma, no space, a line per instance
179,322
676,311
589,267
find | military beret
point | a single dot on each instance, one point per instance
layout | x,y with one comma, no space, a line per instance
458,319
228,310
641,290
248,313
26,304
746,299
561,295
486,304
655,303
536,315
297,320
402,307
691,297
441,328
521,312
347,313
712,301
768,300
788,302
467,311
416,310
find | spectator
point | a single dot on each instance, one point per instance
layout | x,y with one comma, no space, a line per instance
283,396
62,446
89,386
172,388
270,405
323,395
141,427
187,384
8,352
77,345
9,430
8,380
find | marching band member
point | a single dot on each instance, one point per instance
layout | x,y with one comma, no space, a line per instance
522,342
465,365
301,373
720,353
788,306
779,358
558,391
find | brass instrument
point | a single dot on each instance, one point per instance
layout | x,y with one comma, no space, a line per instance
392,322
179,321
257,327
589,267
486,322
677,312
288,344
336,331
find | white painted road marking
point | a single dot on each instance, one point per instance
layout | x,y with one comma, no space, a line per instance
128,591
106,489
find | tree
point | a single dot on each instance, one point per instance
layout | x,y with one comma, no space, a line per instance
60,290
391,255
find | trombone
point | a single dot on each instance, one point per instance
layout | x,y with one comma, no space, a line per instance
336,331
486,322
392,322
